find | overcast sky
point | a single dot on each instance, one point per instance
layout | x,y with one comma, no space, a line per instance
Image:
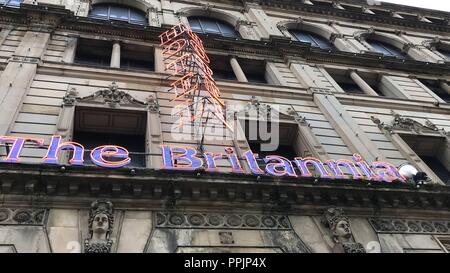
429,4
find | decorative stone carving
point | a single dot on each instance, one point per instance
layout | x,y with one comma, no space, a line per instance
221,221
386,225
101,222
338,223
71,97
226,238
23,216
152,104
335,36
112,96
403,123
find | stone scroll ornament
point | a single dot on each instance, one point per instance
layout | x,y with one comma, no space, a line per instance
338,223
101,222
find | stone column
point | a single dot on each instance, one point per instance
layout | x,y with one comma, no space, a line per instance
237,70
115,57
362,84
159,60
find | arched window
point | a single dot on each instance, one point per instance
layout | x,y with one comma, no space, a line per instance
118,12
208,25
11,3
312,38
386,49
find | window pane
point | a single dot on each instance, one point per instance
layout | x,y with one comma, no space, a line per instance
119,13
11,2
227,30
314,39
195,24
99,11
209,26
137,16
386,49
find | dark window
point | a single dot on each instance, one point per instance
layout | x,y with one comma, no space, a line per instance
287,134
386,49
409,16
322,4
96,127
208,25
137,57
254,70
311,38
351,88
352,8
343,79
435,86
118,12
445,52
221,67
433,152
11,3
93,52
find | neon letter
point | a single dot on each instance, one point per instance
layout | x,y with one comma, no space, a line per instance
302,164
99,154
235,164
17,146
283,163
188,155
56,146
390,172
251,160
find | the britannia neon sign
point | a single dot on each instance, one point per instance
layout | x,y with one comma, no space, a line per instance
184,158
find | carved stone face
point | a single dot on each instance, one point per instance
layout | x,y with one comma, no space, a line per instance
100,224
343,229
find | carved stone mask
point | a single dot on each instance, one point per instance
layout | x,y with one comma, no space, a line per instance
100,223
342,229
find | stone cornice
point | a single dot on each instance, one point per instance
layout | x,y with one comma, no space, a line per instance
155,188
295,5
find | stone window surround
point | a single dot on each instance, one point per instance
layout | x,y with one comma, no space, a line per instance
65,125
393,134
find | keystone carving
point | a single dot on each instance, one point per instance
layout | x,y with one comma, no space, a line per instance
112,96
339,225
101,222
403,123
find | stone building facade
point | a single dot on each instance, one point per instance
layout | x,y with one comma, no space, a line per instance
344,77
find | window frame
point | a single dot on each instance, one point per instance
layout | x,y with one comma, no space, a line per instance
315,39
219,23
386,48
129,10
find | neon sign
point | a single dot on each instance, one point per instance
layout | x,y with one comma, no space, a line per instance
194,90
188,159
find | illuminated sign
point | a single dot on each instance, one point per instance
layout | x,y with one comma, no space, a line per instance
195,90
188,159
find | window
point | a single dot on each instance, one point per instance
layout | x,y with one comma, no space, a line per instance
118,12
254,70
137,57
322,4
386,49
436,87
433,152
344,79
208,25
93,52
11,3
311,38
96,127
221,67
288,145
357,9
445,52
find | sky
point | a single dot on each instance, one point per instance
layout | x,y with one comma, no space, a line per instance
429,4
